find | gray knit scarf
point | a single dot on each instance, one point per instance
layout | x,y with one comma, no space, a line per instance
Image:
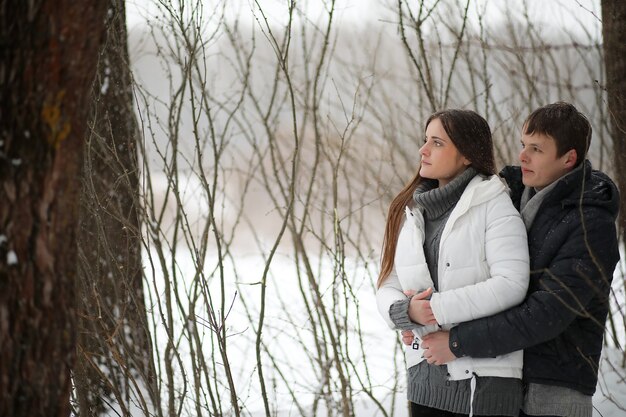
436,201
532,198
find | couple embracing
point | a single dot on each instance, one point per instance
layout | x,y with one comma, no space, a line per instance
500,284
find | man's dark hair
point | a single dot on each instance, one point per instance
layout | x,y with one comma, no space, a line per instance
569,128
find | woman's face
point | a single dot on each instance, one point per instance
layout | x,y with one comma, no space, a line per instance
441,160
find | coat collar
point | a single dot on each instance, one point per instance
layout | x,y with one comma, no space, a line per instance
583,186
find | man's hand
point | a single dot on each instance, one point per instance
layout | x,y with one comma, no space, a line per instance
419,308
407,337
436,348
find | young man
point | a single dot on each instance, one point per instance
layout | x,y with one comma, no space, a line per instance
569,211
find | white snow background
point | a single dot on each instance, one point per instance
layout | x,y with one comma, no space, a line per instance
610,398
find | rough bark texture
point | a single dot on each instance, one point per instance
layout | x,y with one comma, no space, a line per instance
48,58
113,330
614,34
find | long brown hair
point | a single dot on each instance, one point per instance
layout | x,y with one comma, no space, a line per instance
471,134
392,228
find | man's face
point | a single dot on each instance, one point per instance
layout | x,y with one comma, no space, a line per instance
539,161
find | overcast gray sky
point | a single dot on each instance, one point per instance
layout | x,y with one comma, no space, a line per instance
555,13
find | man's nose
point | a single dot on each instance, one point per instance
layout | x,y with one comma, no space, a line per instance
522,156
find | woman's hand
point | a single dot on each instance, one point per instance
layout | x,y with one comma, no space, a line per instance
419,308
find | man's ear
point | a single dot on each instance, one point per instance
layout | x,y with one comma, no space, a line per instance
571,158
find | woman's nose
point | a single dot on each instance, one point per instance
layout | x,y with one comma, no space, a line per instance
424,149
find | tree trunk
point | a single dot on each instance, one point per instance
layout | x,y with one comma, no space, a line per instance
113,329
614,45
47,65
614,34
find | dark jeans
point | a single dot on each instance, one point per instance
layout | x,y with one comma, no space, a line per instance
422,411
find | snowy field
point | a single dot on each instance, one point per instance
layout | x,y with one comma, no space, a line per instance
280,336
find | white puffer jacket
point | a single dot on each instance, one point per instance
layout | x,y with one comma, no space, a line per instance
483,269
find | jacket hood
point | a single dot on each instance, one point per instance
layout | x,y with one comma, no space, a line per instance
587,187
482,189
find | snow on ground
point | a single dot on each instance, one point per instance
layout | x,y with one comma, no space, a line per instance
610,397
609,400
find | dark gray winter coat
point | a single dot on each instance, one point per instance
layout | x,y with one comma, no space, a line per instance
573,252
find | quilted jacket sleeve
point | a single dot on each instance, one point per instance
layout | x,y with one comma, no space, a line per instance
561,292
388,293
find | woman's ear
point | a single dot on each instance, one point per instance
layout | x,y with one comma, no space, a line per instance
466,162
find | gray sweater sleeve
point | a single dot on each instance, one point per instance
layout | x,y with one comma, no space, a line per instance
399,315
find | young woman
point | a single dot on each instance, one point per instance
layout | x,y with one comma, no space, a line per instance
453,229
